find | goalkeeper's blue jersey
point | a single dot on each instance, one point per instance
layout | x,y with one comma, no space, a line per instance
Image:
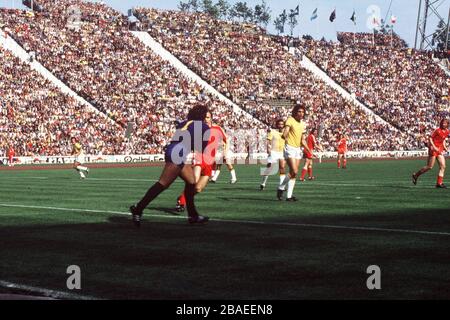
190,136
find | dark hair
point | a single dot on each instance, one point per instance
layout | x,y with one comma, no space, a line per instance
314,130
442,122
297,107
198,112
279,120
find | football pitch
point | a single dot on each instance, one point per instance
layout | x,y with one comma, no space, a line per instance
255,247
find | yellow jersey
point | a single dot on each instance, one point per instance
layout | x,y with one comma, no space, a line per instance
296,131
276,139
77,149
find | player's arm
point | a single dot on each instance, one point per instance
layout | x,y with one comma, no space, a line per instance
269,146
433,146
286,132
305,144
317,144
224,142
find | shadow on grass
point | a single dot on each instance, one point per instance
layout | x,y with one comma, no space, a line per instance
168,259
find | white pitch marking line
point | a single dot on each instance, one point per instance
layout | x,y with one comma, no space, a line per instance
346,183
46,292
282,224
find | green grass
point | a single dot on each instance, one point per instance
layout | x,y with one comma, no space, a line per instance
296,254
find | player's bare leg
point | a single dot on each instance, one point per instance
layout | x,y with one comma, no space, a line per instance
289,181
216,173
430,164
76,166
188,175
282,165
201,184
181,201
170,172
233,179
342,159
307,168
310,170
440,178
265,177
82,170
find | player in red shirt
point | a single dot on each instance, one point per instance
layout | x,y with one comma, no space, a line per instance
436,148
11,154
342,150
312,144
202,164
223,154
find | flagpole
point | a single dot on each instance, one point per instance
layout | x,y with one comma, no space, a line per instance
317,28
373,37
392,34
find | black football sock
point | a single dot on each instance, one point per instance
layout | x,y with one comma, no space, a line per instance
189,193
151,194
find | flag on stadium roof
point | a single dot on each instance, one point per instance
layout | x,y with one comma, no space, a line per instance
314,14
333,15
393,19
353,17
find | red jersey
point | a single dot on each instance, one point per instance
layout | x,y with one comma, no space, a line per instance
216,138
11,152
311,141
439,135
342,145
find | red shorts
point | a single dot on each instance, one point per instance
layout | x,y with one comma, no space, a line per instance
307,155
341,151
206,169
433,153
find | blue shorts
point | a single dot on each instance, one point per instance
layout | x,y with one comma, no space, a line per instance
180,160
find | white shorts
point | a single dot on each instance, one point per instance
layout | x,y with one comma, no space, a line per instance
275,156
222,158
80,158
292,152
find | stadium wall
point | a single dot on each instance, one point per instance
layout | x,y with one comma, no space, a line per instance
239,157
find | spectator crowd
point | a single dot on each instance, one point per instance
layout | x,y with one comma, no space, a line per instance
88,46
250,67
405,87
108,66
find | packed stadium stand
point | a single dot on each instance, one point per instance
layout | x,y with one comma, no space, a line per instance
105,64
371,39
403,86
36,118
101,60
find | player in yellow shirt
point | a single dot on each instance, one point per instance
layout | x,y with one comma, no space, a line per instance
77,152
275,148
294,135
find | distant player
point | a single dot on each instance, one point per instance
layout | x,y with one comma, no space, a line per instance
312,144
294,135
342,151
77,151
275,148
223,154
436,149
202,166
11,155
